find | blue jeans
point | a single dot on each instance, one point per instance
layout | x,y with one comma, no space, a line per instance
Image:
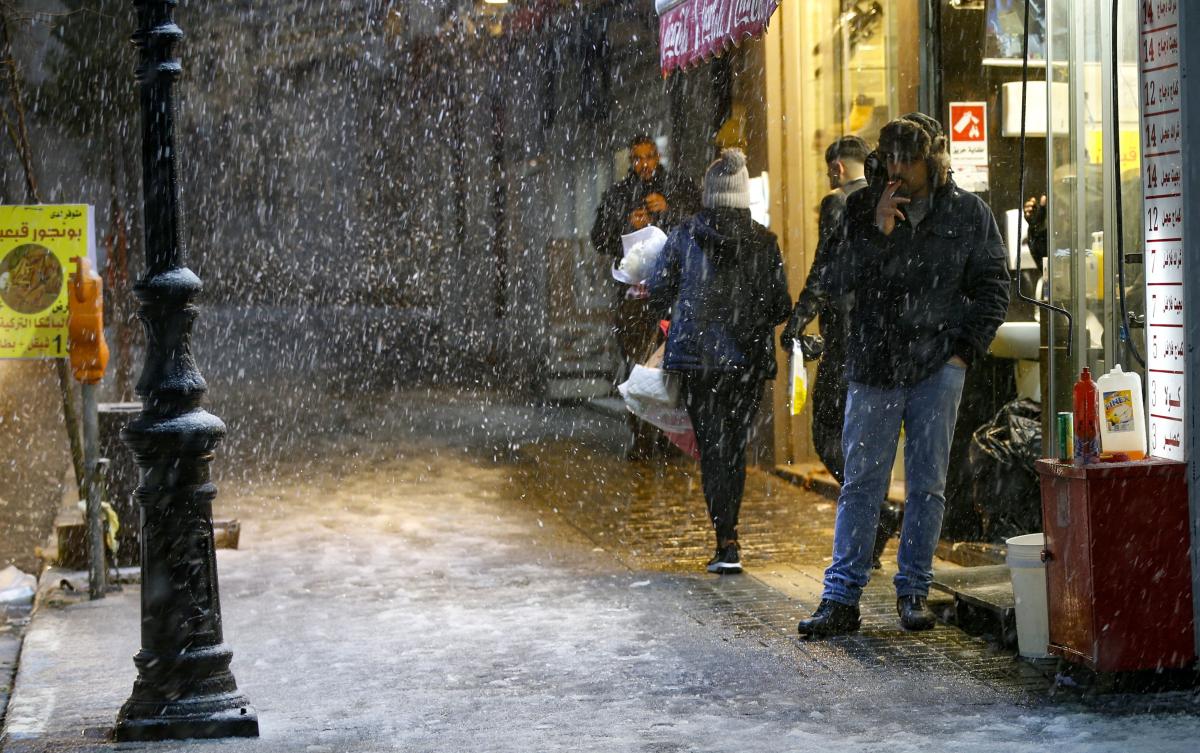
874,415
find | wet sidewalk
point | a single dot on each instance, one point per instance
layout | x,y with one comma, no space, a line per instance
786,533
427,576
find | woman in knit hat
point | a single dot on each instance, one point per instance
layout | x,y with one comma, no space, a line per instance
721,275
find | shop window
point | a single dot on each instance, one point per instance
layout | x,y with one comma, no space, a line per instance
1085,181
857,51
863,67
849,66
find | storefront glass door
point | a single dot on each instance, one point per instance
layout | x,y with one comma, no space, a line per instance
1084,182
857,66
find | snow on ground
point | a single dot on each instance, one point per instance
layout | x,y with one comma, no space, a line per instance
415,605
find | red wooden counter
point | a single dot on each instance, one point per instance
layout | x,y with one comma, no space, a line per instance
1118,577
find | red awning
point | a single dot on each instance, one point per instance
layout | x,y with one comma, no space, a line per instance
693,31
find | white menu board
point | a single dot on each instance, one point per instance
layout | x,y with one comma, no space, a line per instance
1162,220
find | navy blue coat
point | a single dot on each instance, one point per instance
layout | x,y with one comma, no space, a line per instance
721,275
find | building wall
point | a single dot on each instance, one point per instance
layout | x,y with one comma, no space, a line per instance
34,456
1190,62
33,459
421,182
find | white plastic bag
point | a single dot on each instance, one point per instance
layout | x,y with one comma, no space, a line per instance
16,587
652,386
798,391
652,394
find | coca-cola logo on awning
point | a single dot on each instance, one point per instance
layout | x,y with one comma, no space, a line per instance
748,11
695,30
713,20
673,36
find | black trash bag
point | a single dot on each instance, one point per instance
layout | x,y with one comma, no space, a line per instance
1004,483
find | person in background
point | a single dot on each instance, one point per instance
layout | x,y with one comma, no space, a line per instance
931,287
1035,218
844,161
721,275
648,195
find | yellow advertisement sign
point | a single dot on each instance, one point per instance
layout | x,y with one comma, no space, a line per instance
37,245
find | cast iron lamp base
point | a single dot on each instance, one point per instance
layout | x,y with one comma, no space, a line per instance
214,708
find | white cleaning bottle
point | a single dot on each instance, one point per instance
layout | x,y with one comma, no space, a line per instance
1122,413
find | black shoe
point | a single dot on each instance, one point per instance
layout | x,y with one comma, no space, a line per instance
831,618
915,613
727,560
663,447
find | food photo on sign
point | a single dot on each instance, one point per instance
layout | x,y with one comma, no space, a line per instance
37,245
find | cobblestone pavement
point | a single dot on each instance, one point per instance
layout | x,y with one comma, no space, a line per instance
567,461
424,571
651,516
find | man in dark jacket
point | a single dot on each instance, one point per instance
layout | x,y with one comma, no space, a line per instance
647,196
721,274
931,287
844,160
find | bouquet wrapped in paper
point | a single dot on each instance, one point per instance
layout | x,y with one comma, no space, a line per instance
641,250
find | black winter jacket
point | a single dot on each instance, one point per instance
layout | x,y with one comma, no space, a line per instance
612,218
722,275
814,300
924,294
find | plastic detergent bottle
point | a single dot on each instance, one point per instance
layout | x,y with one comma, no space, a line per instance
1087,429
1122,415
1095,263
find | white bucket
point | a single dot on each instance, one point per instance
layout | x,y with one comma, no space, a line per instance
1029,588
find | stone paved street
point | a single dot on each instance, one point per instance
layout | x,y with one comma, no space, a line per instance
430,571
651,517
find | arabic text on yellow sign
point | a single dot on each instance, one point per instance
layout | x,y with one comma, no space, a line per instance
37,245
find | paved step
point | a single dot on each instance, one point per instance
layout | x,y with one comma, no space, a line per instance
983,599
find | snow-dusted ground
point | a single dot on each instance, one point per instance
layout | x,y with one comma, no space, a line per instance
400,597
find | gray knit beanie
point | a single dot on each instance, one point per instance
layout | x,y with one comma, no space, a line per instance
726,182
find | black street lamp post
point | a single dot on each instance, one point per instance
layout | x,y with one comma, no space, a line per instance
184,686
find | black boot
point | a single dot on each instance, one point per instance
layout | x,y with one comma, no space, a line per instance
914,613
890,516
831,618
